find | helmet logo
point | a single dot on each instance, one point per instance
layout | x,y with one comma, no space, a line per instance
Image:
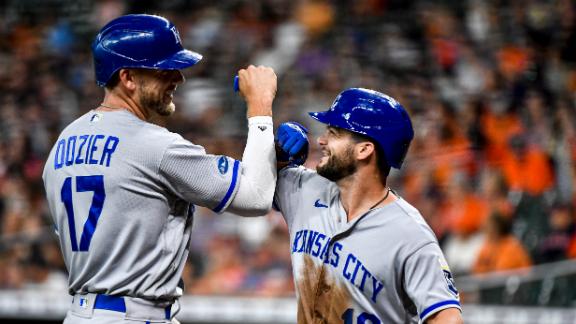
176,34
335,103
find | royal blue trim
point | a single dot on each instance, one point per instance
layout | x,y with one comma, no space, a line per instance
117,304
438,305
113,303
230,189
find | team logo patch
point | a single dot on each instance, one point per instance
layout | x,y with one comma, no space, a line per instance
95,118
223,165
448,277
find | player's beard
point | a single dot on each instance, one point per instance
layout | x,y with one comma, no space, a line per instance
156,103
338,166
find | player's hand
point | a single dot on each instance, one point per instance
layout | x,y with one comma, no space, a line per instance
258,87
292,140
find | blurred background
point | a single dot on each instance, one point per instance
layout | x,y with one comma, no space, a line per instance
490,86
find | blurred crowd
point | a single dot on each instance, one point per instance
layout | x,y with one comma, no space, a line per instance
490,87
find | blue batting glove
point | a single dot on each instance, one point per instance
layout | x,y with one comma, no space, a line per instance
292,139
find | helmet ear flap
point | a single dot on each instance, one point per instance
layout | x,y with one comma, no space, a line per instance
396,152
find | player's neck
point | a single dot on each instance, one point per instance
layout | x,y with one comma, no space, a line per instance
114,101
361,192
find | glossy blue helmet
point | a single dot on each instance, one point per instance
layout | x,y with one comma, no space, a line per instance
139,41
375,115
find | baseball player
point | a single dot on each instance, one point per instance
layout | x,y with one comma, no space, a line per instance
122,190
360,253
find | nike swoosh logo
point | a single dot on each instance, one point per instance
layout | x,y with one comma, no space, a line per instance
318,204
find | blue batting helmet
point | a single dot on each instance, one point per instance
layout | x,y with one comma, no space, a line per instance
375,115
139,41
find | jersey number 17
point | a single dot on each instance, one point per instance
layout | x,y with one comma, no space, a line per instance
93,183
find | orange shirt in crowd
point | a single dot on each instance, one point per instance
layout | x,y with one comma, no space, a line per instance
498,130
532,173
466,216
512,60
504,254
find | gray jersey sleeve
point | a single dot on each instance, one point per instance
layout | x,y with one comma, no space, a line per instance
197,177
287,194
428,281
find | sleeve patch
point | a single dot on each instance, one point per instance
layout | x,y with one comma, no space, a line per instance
223,165
448,277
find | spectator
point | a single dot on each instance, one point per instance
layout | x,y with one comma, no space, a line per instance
554,246
501,250
527,168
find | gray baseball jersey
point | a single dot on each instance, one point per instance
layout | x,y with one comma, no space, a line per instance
121,192
383,267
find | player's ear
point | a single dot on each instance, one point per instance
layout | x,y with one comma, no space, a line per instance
364,150
127,80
